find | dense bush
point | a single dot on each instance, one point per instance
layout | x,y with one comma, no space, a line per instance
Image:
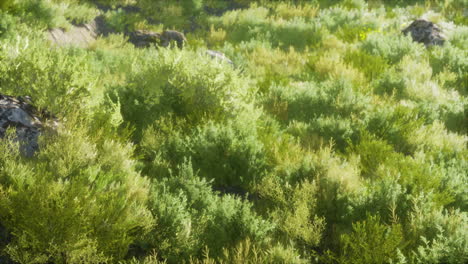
230,154
243,25
184,83
57,79
80,199
455,60
391,47
190,217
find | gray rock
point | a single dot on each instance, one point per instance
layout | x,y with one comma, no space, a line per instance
80,35
143,38
169,36
17,112
219,56
425,32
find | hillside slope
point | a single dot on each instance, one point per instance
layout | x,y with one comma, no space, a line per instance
281,131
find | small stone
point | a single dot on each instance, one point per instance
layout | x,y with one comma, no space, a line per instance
219,56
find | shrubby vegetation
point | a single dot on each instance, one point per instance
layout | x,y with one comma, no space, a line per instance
334,139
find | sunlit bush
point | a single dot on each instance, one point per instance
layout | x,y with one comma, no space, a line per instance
255,23
79,199
289,11
307,101
439,233
230,154
391,47
183,83
452,59
371,241
58,80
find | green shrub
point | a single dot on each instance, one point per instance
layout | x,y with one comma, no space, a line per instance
395,125
184,83
272,66
333,139
288,10
59,80
339,131
287,154
336,17
330,65
387,197
324,109
308,101
113,3
179,14
453,182
80,199
371,242
230,154
5,4
254,23
455,60
40,14
372,154
190,217
372,66
337,182
440,234
121,21
349,25
391,83
79,13
391,47
357,4
8,24
244,252
450,112
459,37
453,10
434,139
293,209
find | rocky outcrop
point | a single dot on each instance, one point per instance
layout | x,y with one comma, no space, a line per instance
219,56
84,35
81,35
425,32
18,113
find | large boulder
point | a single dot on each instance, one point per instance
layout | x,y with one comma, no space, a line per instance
169,36
18,113
425,32
143,38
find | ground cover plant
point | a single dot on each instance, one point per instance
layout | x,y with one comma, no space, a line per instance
331,137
